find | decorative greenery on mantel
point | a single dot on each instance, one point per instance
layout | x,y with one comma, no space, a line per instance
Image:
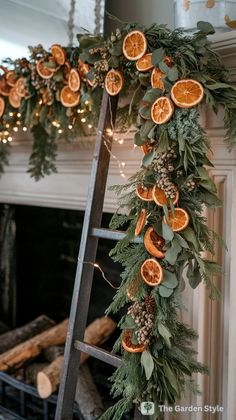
169,73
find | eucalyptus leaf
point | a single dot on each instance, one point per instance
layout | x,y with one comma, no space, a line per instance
167,232
138,140
191,237
163,142
195,279
205,27
148,158
215,86
145,112
170,376
163,67
136,98
173,74
170,280
151,95
157,56
181,241
172,253
164,291
181,142
146,128
165,333
148,363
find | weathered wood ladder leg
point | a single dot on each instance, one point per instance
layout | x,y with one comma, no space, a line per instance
84,273
88,249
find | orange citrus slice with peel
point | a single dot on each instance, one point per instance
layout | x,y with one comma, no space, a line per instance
152,272
11,78
154,243
157,77
144,63
187,93
134,45
20,87
69,98
14,98
162,110
146,148
83,69
59,54
140,222
2,106
74,80
114,82
160,198
144,193
133,287
129,346
179,221
4,88
43,71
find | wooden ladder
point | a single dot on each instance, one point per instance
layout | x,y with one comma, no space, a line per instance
84,273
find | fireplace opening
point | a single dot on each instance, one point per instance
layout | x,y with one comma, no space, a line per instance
38,255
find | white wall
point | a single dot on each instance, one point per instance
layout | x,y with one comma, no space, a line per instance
144,11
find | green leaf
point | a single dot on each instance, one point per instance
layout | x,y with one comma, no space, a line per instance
116,49
144,79
191,237
165,292
181,142
151,95
136,98
194,278
148,158
167,232
164,332
157,56
205,27
181,241
147,363
163,67
146,128
170,279
170,376
215,86
138,139
173,74
208,185
145,112
172,253
113,61
128,323
163,142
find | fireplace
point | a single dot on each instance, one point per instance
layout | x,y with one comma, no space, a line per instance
39,247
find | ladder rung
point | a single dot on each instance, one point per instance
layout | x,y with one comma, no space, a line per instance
115,235
98,353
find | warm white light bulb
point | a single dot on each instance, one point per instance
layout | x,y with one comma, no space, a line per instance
24,129
15,129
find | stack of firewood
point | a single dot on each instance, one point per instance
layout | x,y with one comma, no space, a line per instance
20,347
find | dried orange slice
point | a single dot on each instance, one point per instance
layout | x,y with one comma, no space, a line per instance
11,78
43,71
20,87
83,69
74,80
187,93
133,287
4,88
2,106
59,54
145,63
160,198
154,243
14,98
114,82
179,221
134,45
162,110
156,79
140,222
146,148
129,346
144,193
152,272
69,98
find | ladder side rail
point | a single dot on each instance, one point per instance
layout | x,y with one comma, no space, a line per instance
88,249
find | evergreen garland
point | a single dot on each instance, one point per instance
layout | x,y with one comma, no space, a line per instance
175,161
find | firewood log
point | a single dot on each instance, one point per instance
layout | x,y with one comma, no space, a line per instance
11,338
52,352
87,395
96,333
31,371
17,356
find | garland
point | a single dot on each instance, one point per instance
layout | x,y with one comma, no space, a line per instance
165,230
